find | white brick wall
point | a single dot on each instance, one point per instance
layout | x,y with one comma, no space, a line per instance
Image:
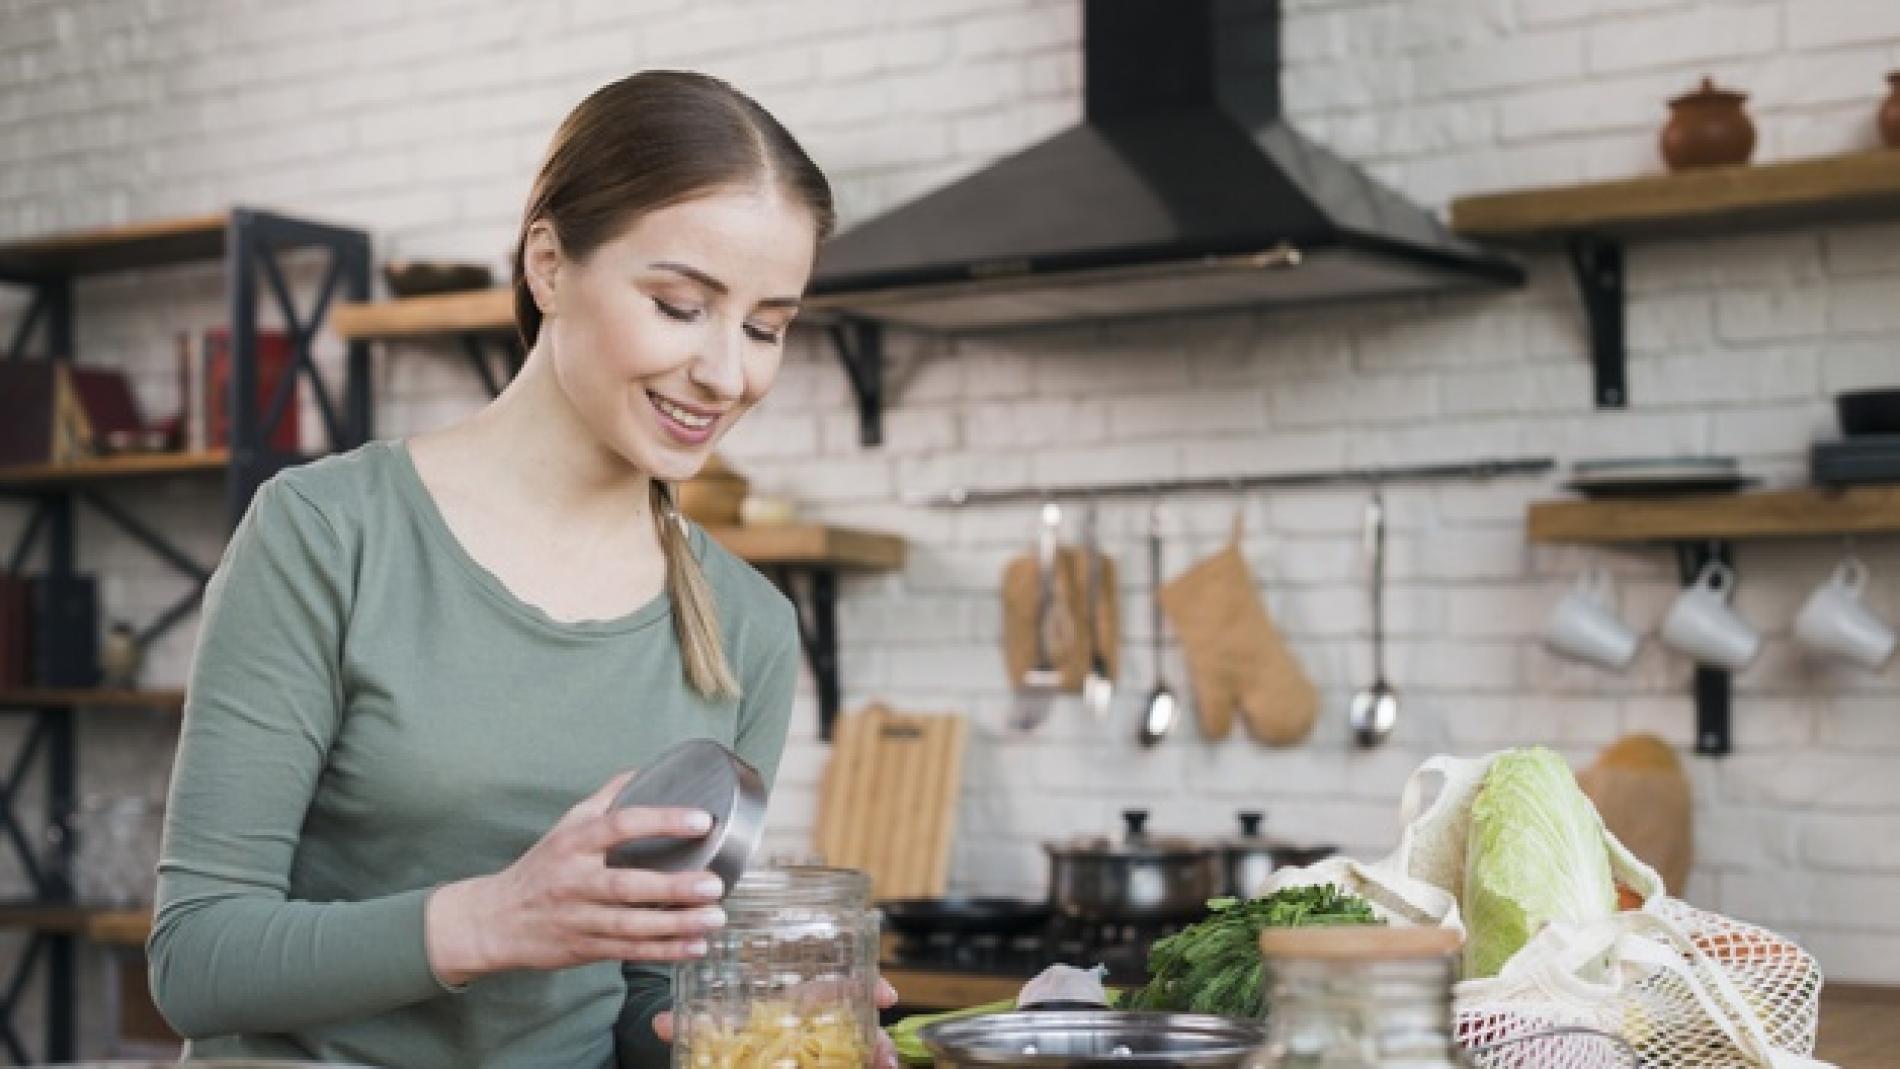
422,121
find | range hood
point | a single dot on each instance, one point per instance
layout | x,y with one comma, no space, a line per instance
1183,189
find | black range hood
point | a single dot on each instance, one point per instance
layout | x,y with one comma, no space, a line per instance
1183,189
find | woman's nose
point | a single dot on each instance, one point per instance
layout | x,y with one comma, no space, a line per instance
720,370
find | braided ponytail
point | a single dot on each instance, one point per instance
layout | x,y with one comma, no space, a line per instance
695,611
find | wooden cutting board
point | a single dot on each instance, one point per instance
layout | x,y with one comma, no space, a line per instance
888,803
1643,794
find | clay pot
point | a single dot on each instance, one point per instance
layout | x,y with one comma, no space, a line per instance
1890,114
1707,128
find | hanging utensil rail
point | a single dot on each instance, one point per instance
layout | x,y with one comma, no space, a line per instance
1477,470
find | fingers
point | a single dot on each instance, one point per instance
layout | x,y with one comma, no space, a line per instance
639,887
886,994
663,953
596,803
886,1051
663,1025
599,833
651,925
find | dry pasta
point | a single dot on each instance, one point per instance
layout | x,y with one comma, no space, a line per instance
778,1035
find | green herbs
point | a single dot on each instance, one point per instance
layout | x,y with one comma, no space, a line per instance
1215,966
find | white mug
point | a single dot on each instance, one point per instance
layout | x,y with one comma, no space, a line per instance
1584,625
1834,620
1702,625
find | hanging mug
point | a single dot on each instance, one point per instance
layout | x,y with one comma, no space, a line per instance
1584,625
1835,621
1702,625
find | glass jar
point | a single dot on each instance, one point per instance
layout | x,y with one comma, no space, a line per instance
791,981
1359,997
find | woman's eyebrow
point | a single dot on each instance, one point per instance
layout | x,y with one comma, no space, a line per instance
714,284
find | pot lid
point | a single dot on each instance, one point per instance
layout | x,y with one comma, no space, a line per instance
1135,843
1093,1037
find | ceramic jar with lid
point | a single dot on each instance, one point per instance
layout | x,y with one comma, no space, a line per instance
1890,114
1707,128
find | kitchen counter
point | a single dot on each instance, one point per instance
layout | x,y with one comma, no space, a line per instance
1860,1025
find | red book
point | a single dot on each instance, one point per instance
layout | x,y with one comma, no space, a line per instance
275,359
105,398
29,402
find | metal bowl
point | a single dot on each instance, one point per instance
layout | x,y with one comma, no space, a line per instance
1100,1038
697,774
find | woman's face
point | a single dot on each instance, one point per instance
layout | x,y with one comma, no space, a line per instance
669,332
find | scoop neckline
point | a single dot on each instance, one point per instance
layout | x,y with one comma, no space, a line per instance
436,527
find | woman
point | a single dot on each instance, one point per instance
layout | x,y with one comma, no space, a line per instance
425,666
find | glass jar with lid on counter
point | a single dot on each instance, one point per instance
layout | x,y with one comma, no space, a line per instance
790,982
1359,997
1378,997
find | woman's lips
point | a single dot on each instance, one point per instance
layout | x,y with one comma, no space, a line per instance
689,425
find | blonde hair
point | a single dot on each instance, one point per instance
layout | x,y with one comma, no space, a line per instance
695,610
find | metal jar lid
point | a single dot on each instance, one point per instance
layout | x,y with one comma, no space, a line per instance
697,774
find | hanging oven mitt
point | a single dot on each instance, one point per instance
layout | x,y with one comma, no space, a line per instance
1236,657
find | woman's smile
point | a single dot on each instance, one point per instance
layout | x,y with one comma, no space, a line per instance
689,424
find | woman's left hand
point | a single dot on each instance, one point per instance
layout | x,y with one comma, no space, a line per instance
886,1050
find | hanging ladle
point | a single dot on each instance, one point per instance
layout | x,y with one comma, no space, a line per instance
1375,710
1098,690
1162,710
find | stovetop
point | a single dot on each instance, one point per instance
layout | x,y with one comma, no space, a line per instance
1123,948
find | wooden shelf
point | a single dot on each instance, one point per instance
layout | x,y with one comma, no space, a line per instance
160,700
1716,200
813,546
487,311
151,243
69,920
1806,513
87,252
139,465
120,927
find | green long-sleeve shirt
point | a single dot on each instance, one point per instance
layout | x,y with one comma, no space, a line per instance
372,714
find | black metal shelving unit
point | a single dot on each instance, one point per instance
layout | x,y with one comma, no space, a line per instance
249,242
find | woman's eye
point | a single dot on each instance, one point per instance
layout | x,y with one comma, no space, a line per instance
674,311
761,334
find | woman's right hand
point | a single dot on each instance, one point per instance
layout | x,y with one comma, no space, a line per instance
560,905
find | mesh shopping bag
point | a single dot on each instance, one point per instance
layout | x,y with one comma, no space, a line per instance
1682,987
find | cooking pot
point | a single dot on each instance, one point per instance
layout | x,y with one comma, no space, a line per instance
1058,1040
1140,879
1247,861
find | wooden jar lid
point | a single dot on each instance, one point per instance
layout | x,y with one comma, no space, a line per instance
1359,942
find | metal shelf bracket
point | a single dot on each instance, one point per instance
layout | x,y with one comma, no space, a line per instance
817,607
1598,266
1713,686
860,347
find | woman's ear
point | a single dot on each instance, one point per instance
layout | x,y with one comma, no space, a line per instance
541,262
